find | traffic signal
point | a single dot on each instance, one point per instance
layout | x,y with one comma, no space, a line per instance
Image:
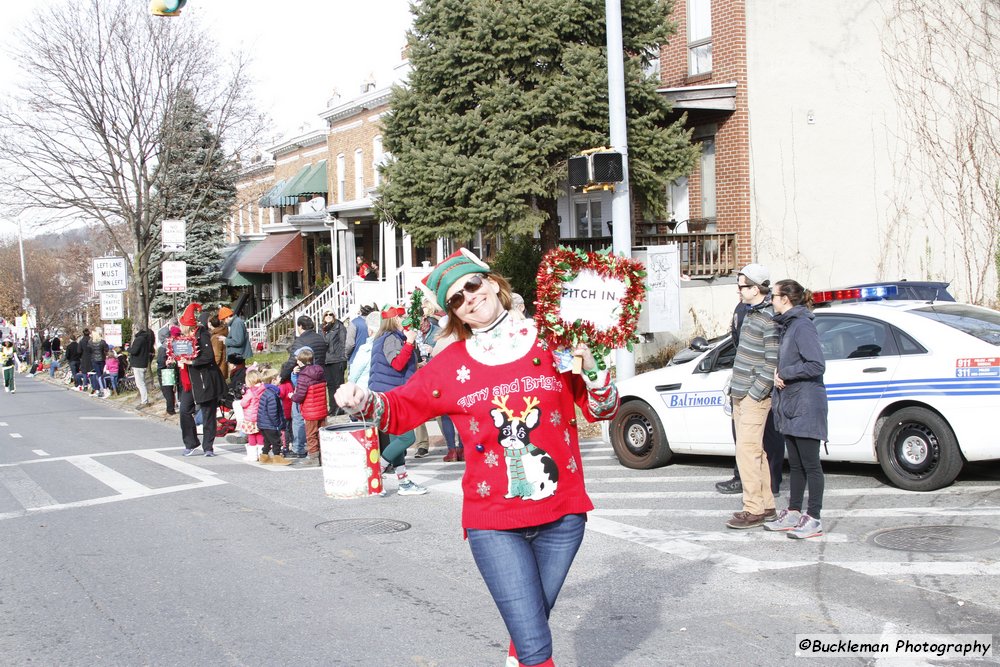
597,167
166,7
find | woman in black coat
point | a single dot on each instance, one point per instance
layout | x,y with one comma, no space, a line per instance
206,387
800,407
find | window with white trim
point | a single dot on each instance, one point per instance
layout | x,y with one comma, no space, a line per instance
377,158
699,27
588,218
341,178
359,174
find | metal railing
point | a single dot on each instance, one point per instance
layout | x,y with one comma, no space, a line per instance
334,298
284,324
702,254
257,326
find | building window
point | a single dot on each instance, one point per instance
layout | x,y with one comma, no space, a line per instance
341,178
708,177
359,174
376,159
699,24
588,219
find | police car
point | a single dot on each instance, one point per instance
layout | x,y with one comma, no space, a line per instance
913,386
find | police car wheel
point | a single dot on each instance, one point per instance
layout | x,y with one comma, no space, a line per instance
638,437
918,450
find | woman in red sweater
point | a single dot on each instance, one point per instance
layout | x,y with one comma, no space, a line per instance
525,504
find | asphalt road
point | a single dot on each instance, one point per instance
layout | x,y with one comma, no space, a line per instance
116,550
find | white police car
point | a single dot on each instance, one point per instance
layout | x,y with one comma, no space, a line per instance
912,385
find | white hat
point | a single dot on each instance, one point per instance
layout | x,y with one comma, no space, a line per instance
757,274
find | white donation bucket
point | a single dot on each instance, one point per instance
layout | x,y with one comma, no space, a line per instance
350,460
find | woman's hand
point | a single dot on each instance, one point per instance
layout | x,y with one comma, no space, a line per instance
778,382
411,335
351,397
582,351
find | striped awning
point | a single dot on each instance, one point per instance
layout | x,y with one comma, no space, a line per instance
277,253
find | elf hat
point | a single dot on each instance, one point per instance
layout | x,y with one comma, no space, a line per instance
455,266
190,316
393,311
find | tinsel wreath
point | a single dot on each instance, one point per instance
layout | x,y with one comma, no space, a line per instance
562,265
415,313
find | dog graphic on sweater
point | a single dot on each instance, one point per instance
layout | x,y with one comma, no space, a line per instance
531,472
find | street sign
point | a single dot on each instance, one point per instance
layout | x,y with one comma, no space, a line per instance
25,302
112,306
173,236
110,274
174,276
113,335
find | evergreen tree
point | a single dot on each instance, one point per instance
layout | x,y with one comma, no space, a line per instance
500,95
199,187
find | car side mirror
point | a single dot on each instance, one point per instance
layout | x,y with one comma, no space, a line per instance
699,343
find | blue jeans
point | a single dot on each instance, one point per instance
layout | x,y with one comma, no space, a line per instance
524,570
298,430
53,367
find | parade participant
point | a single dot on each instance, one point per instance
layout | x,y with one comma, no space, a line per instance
525,504
393,363
167,372
8,360
800,407
201,384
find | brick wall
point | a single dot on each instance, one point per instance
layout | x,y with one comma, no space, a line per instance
732,141
346,136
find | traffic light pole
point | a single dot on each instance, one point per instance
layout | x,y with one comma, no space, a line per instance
621,214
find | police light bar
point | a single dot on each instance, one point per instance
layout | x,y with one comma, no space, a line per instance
856,294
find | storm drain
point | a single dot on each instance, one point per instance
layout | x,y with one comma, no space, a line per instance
932,539
363,526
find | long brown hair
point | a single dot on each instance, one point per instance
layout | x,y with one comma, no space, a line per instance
458,328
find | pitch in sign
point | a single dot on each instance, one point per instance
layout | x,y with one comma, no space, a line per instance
110,274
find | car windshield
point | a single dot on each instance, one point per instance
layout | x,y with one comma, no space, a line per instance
982,323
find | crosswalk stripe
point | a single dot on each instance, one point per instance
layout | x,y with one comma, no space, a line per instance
874,491
875,513
662,541
15,435
25,490
105,475
112,499
191,470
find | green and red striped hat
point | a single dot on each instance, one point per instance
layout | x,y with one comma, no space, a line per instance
456,265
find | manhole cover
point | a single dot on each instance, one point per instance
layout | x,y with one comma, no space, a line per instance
363,526
936,538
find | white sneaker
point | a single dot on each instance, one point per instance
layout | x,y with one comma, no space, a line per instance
411,488
787,520
807,527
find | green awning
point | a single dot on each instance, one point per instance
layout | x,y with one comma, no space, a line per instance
308,181
269,198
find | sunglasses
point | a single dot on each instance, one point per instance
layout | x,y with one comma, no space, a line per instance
743,287
471,286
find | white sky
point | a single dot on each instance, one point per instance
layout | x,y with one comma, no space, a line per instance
325,44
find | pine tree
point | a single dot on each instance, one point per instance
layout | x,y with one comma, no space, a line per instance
198,187
500,95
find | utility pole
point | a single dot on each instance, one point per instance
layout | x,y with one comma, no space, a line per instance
621,213
25,302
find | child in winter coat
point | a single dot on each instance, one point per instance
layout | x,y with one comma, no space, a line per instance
285,391
111,373
310,394
250,403
271,420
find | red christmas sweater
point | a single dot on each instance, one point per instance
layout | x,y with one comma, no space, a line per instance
516,416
